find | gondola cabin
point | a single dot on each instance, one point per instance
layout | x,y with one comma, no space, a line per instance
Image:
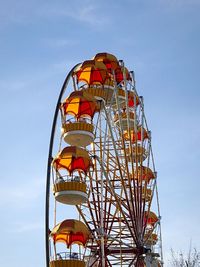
77,114
71,189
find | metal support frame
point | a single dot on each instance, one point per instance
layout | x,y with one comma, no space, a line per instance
131,212
49,163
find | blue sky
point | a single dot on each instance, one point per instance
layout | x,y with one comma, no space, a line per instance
40,42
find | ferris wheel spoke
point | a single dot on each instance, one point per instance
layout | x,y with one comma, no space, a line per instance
115,196
133,260
95,214
132,206
131,210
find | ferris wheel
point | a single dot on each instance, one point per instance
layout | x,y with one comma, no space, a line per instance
101,163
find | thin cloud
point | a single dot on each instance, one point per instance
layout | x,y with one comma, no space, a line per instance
59,43
17,12
13,86
179,3
21,227
64,65
23,193
89,14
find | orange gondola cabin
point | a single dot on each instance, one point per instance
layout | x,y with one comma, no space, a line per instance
70,232
71,189
92,77
80,108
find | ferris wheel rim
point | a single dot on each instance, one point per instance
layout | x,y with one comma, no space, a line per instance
51,142
139,250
